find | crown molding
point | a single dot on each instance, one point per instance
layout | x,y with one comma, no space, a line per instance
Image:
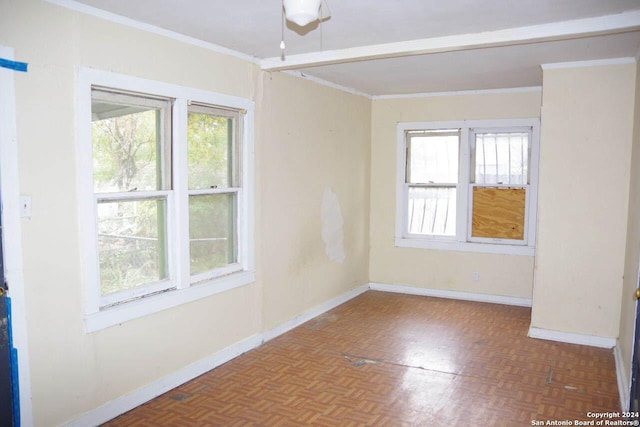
123,20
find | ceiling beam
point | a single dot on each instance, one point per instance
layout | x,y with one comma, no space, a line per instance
579,28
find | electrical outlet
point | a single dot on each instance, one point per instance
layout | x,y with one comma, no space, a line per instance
475,276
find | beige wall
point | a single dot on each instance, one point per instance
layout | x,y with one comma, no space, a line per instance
312,139
499,274
73,372
630,282
587,123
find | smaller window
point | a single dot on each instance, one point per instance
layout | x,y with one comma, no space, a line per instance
468,186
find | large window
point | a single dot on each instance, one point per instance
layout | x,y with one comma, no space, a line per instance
166,190
468,186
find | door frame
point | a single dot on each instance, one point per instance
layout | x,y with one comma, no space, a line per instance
627,398
12,235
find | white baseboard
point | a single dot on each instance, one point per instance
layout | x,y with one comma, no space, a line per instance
441,293
315,312
622,377
142,395
590,340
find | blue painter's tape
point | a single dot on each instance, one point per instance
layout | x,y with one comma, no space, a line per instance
15,377
13,65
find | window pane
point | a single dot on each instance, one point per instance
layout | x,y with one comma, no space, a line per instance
432,211
212,231
210,151
502,158
128,151
132,243
433,157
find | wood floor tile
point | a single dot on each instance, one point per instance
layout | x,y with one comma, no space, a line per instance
396,360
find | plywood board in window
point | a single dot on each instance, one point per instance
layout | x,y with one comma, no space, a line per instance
498,213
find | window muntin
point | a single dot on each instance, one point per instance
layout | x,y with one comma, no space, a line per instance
503,177
431,181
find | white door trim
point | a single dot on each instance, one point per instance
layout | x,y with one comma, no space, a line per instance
12,234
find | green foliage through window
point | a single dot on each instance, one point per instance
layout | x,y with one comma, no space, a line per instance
210,164
131,243
132,177
212,201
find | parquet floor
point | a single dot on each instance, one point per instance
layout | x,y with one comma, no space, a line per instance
396,360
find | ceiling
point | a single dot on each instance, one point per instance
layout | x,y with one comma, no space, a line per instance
397,47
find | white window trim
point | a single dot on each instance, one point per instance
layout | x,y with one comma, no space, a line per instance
460,242
235,275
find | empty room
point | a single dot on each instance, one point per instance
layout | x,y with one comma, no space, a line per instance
319,212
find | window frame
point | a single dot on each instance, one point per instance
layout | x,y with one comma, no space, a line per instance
408,185
462,240
183,287
473,131
234,188
149,288
165,192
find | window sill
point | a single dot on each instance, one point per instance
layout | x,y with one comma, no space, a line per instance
144,306
486,248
